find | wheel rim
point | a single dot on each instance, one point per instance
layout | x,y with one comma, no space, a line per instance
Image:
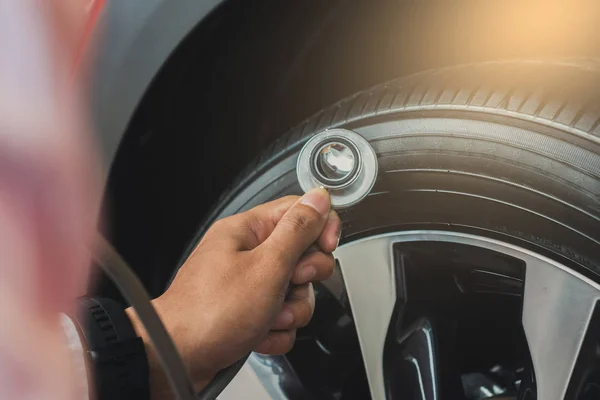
558,305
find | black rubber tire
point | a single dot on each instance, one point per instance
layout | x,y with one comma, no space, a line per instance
507,149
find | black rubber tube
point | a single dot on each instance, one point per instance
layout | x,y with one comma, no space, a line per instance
132,289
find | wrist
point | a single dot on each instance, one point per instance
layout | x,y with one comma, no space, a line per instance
117,356
159,384
160,388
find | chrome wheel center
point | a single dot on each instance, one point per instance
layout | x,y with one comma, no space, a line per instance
341,161
335,161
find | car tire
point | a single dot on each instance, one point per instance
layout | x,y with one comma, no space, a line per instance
509,150
503,150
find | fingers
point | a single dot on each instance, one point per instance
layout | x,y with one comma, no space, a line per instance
316,266
247,230
299,227
330,236
262,219
295,313
277,343
297,310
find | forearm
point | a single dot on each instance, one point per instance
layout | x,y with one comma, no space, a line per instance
159,385
160,388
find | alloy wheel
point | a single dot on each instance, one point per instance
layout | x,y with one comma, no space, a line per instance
406,354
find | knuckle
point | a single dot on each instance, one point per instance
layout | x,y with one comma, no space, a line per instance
253,229
267,257
301,221
219,224
264,271
225,225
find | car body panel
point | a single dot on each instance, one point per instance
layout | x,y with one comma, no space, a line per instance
133,40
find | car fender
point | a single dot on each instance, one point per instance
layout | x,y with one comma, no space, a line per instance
132,40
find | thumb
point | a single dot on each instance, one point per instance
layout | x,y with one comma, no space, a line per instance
300,226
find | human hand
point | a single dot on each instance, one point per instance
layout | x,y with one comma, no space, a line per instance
231,296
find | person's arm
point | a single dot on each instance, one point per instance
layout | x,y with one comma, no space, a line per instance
230,297
233,296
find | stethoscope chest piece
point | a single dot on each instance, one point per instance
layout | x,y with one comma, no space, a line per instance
341,161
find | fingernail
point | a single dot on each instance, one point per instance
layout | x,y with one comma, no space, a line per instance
285,318
318,199
306,273
332,230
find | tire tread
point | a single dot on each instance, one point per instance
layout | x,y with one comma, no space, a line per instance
440,89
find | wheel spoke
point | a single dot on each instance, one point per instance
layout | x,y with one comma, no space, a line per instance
557,307
369,277
413,373
265,377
